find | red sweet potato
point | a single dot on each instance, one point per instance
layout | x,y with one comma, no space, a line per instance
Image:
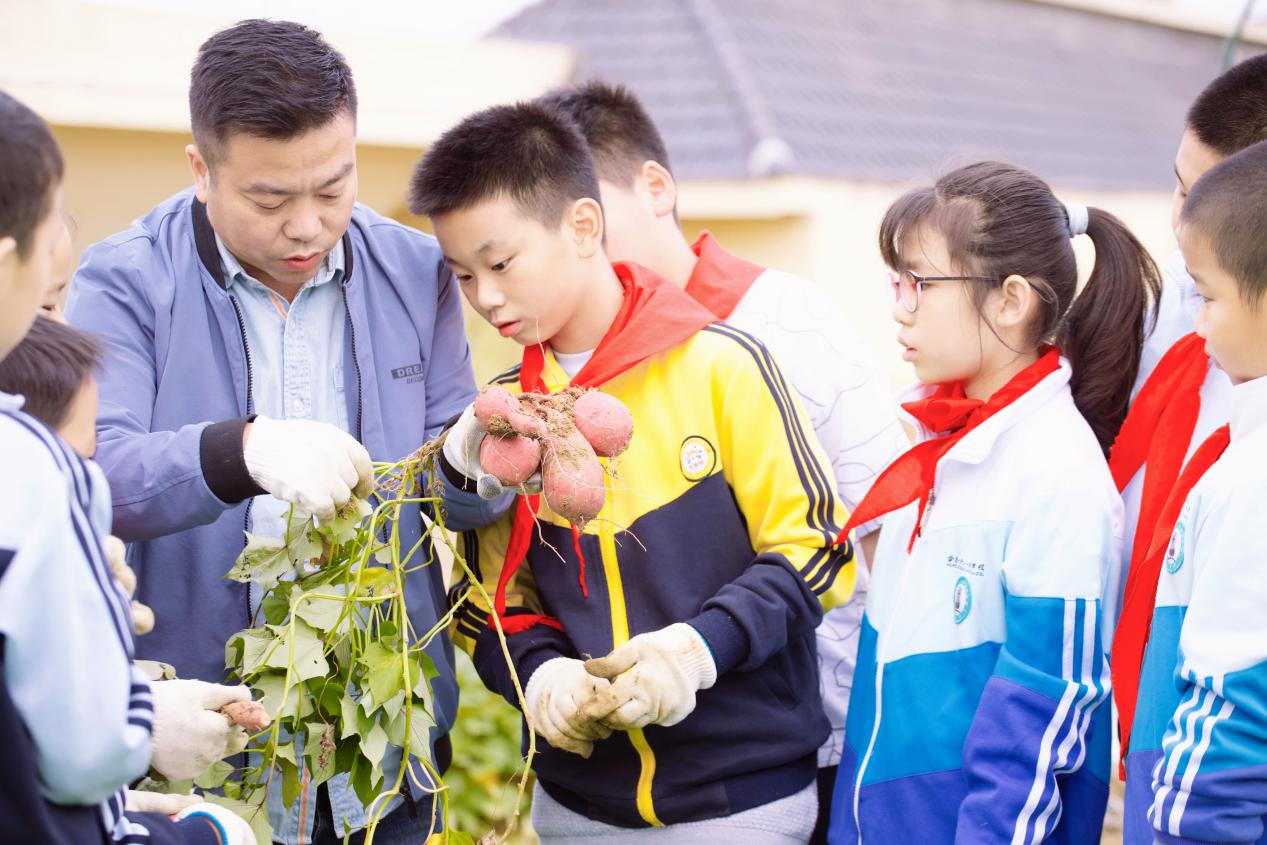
572,478
500,413
604,421
511,460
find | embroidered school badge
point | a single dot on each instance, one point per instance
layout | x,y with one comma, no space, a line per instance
961,601
1174,552
697,457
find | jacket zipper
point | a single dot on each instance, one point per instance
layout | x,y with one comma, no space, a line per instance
250,406
881,641
356,363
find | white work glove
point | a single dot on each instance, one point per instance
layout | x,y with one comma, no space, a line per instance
233,828
189,735
311,464
556,695
655,676
462,451
116,558
169,804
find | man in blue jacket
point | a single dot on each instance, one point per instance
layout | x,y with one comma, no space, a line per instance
266,334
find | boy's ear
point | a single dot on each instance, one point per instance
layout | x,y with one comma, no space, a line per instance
660,187
1016,298
586,220
201,171
9,259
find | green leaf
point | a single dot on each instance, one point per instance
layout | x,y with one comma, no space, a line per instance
320,613
383,670
392,706
350,718
457,837
290,781
264,561
387,630
374,744
308,659
272,686
366,781
276,604
374,578
248,651
420,724
213,777
256,815
319,751
303,549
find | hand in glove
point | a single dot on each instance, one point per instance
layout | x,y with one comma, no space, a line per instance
232,828
310,464
462,451
138,801
116,558
556,695
654,677
189,735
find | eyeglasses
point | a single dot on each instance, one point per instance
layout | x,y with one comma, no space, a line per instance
908,287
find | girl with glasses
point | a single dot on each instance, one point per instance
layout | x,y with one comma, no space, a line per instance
979,710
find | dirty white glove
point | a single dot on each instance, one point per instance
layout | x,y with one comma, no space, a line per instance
311,464
189,735
232,828
556,695
139,801
116,559
655,676
462,451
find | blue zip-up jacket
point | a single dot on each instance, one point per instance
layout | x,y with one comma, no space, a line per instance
977,713
176,394
1196,770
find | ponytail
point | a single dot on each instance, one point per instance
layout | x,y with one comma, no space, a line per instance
1103,330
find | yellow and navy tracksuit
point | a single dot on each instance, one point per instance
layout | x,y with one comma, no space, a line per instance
721,514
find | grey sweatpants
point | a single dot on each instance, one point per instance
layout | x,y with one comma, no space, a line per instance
787,821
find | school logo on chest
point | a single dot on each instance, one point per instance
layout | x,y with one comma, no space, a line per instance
1174,552
698,458
961,600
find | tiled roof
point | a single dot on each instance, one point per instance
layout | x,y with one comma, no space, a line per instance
892,90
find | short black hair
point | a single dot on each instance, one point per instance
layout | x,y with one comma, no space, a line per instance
1231,113
1228,207
31,168
49,367
620,133
527,152
270,79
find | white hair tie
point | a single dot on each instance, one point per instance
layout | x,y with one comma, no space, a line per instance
1078,216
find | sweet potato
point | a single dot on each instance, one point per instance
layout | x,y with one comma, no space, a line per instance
604,421
500,413
249,714
511,460
572,478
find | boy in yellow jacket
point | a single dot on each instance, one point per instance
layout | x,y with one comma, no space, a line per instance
703,578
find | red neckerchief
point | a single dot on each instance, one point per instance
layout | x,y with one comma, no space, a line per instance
719,279
910,477
1133,627
655,315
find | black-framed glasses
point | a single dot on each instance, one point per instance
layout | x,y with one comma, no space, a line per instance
908,287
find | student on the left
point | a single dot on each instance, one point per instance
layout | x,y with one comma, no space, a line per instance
78,723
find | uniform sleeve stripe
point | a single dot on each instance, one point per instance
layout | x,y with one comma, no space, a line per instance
812,476
1063,747
507,376
822,567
